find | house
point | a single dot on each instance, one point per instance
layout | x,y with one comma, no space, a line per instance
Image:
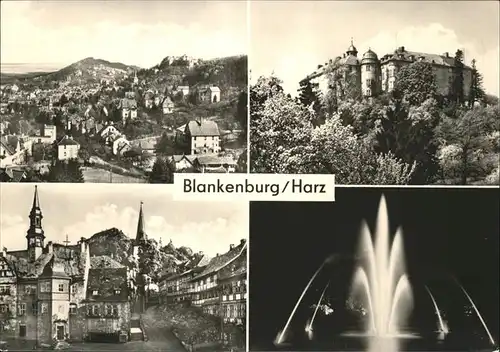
108,311
158,99
47,134
9,174
67,148
129,108
182,162
233,284
14,150
109,133
120,145
168,106
215,164
149,99
204,287
147,144
209,94
203,136
184,90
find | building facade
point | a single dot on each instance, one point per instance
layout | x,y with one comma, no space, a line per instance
371,75
203,137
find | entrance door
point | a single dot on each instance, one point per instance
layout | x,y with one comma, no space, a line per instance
22,330
60,332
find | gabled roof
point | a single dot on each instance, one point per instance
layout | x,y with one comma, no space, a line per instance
203,128
7,145
106,281
402,54
207,160
219,262
67,141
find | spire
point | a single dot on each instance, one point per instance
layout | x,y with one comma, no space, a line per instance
141,234
352,49
36,201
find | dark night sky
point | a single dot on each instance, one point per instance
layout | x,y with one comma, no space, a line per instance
446,232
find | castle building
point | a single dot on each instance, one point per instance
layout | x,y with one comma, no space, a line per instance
372,75
58,291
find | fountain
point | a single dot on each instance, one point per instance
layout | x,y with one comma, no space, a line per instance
443,328
383,283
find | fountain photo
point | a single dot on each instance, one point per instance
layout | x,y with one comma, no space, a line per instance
378,270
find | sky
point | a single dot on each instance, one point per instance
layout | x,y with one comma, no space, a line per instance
321,30
138,33
81,210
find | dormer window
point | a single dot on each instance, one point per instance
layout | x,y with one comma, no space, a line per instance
95,292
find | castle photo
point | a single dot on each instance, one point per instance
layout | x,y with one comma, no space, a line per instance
386,92
372,75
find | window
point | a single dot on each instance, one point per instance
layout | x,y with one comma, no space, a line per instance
22,308
368,68
45,287
61,288
5,290
117,292
34,308
95,292
95,309
45,308
72,308
4,308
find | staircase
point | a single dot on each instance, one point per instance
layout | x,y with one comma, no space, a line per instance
136,332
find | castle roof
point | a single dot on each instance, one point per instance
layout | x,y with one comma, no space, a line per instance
401,54
369,57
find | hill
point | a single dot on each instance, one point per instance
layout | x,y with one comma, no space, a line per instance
228,73
118,246
88,70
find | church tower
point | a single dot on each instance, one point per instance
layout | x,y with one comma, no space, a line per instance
141,236
35,235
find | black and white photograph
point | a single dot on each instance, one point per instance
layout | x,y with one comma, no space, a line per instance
122,91
379,270
376,92
120,268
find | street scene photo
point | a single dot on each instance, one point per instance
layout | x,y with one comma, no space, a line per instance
122,92
378,270
120,268
379,93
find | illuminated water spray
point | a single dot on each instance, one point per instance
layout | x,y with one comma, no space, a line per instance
309,324
443,328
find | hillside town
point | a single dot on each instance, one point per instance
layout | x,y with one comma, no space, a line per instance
96,121
132,293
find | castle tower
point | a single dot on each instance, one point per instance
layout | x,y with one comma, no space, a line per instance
352,49
54,297
35,235
370,74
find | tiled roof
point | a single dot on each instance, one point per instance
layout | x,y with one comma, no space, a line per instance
5,143
106,282
72,264
404,55
14,175
222,260
203,128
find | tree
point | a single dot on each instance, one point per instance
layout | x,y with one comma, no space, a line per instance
150,259
242,111
415,83
167,146
284,140
309,95
242,162
65,171
456,93
162,172
467,140
477,92
84,154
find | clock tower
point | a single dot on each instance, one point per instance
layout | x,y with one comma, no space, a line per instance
35,235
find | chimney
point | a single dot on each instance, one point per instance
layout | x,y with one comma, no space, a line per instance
50,247
242,241
217,255
402,49
446,54
4,252
231,247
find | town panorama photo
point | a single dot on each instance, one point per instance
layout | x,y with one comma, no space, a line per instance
122,92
